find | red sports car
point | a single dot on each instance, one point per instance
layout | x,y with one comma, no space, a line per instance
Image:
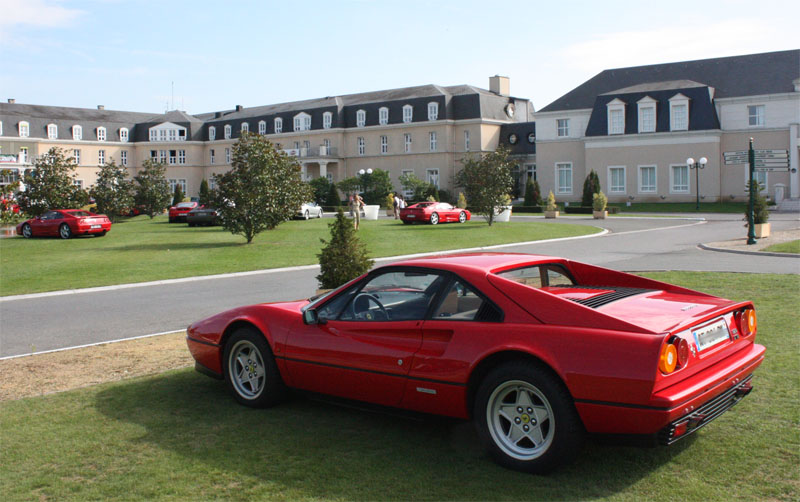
178,212
536,350
65,223
434,213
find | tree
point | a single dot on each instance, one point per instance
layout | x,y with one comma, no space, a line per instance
344,257
262,190
376,186
591,186
204,196
113,191
51,184
333,198
152,194
462,201
533,194
320,188
177,195
411,183
487,181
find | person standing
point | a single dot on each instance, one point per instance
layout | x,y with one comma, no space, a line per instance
396,206
358,205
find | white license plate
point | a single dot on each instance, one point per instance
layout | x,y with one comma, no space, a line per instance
411,216
711,335
97,226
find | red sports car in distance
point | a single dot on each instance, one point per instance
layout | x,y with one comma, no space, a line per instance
178,212
433,213
65,223
537,351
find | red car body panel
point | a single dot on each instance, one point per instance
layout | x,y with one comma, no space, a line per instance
80,222
178,212
606,356
422,211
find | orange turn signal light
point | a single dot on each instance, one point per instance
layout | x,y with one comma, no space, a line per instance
749,322
669,358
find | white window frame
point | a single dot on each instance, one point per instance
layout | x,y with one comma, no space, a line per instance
562,128
433,140
432,176
227,155
24,129
361,118
77,183
756,115
302,122
361,145
647,189
327,120
52,131
466,140
163,156
123,158
245,127
672,186
407,194
212,156
23,155
384,145
101,157
647,105
676,122
567,168
433,111
1,127
761,174
228,131
383,115
408,114
77,132
212,133
124,134
181,156
407,142
616,188
262,127
76,156
101,134
278,124
615,113
173,157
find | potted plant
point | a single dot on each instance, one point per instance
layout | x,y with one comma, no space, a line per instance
599,202
550,208
760,216
390,204
503,212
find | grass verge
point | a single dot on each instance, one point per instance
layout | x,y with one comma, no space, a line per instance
180,436
784,247
140,249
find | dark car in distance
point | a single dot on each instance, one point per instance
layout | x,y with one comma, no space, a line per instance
203,216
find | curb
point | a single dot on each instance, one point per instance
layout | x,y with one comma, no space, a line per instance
754,253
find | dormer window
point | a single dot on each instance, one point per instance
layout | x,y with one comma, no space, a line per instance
245,127
327,120
408,114
302,122
123,134
24,129
77,133
383,115
52,131
101,134
361,118
262,127
227,131
278,125
616,116
647,114
679,113
433,111
212,133
755,115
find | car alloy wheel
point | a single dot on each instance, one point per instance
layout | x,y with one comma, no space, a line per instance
250,370
305,215
434,219
64,231
521,420
247,370
462,217
27,231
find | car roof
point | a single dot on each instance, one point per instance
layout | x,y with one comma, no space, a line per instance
486,262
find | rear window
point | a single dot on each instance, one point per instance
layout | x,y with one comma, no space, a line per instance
80,214
540,276
185,204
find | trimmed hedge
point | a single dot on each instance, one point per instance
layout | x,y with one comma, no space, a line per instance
527,209
588,210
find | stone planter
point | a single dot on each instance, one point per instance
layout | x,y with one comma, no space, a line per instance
390,211
371,212
599,215
551,214
504,215
761,230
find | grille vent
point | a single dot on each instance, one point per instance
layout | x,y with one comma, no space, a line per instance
616,293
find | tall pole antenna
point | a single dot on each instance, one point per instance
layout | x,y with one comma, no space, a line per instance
172,106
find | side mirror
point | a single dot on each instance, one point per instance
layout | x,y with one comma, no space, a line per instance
310,317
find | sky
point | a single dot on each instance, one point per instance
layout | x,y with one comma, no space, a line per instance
198,56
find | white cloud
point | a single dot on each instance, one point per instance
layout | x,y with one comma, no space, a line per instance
41,13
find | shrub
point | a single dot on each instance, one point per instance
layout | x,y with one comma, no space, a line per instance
533,194
204,197
177,195
599,201
332,199
760,212
389,201
551,202
462,201
591,185
344,257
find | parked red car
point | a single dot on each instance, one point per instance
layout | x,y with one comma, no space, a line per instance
536,350
178,212
65,223
433,213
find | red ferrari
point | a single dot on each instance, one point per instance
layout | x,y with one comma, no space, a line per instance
178,212
65,223
433,213
536,350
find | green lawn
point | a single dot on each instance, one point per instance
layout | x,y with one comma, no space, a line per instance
682,207
785,247
141,249
180,436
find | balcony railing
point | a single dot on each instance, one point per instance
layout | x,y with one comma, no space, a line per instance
321,151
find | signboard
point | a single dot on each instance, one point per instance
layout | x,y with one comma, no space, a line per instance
8,159
771,160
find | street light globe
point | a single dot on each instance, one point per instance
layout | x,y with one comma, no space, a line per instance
361,171
703,161
690,161
369,171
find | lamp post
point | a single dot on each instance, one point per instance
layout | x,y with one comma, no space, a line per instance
364,179
700,164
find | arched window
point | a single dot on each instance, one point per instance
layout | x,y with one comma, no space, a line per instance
278,125
101,134
77,132
245,127
262,127
327,120
227,131
123,134
361,118
408,114
52,131
212,133
433,110
24,129
302,122
383,115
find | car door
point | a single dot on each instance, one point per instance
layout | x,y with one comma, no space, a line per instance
364,343
47,224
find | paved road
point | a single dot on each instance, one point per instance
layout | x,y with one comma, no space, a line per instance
632,244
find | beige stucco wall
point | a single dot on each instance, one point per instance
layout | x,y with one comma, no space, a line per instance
734,176
552,152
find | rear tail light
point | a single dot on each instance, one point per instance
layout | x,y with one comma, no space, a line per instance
674,354
749,322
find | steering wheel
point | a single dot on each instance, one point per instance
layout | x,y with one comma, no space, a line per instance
363,310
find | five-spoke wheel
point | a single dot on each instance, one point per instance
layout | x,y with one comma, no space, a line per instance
27,231
434,218
250,369
462,217
64,231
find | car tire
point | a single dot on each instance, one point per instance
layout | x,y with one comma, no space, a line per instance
27,231
101,234
406,222
191,224
319,215
526,418
434,218
64,231
305,215
172,220
462,217
250,370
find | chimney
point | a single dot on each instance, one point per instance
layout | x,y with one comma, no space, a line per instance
101,107
217,115
500,85
239,108
11,101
